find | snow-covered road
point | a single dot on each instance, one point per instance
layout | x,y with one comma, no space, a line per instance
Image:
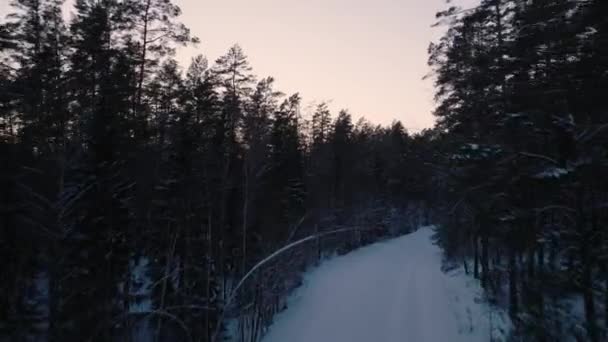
387,292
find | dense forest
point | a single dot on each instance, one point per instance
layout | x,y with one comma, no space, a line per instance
137,193
523,141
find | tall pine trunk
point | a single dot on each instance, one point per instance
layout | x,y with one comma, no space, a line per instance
485,264
142,65
475,257
513,295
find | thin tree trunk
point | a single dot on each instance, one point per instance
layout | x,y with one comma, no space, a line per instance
245,212
590,310
127,299
476,258
513,299
209,258
208,263
168,264
144,52
540,274
318,244
530,263
485,265
587,271
225,188
54,295
606,303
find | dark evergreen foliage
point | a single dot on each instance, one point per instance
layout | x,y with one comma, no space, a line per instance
135,194
522,142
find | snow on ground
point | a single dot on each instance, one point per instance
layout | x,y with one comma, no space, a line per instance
388,292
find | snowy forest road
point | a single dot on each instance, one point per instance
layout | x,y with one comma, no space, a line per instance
393,291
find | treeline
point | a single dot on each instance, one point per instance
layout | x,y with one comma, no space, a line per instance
133,190
523,126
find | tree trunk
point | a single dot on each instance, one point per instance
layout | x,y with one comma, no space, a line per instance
590,310
144,53
163,293
587,265
209,261
530,263
540,273
606,303
513,299
245,212
485,265
318,244
225,188
476,258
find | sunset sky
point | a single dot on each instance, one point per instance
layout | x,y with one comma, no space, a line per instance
365,55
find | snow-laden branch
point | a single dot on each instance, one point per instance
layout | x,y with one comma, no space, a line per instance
67,206
296,227
555,207
278,252
587,136
467,191
539,156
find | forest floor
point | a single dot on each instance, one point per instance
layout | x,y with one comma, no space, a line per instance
387,292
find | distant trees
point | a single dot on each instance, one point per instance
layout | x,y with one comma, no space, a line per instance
523,143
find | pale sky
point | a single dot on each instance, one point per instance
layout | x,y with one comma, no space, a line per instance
365,55
368,56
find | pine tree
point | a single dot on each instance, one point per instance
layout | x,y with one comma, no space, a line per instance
285,179
256,138
233,72
320,178
341,139
95,180
511,105
154,29
321,124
